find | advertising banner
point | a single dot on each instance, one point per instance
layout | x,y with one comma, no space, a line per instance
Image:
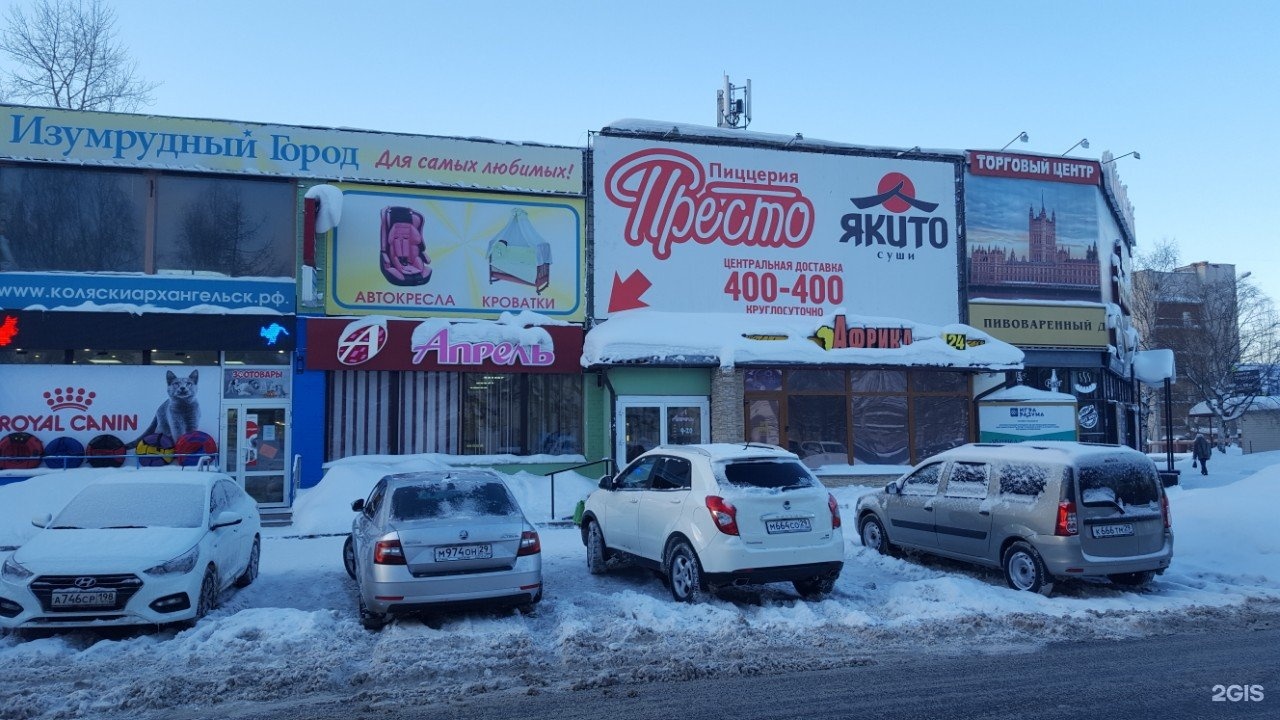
254,383
380,343
1071,326
1014,422
58,330
718,228
88,291
119,415
1029,239
148,141
402,252
1035,167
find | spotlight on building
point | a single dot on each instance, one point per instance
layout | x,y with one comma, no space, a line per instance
1084,143
1020,137
1136,156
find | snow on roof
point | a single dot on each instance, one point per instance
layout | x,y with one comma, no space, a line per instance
730,339
676,131
1022,393
1153,367
1039,451
1258,404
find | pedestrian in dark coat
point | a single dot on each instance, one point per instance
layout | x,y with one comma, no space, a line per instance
1201,450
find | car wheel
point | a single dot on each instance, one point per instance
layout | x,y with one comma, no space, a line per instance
251,570
816,587
208,593
1133,579
1024,570
874,537
349,556
371,620
596,550
684,573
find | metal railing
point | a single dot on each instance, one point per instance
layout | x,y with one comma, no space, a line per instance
612,468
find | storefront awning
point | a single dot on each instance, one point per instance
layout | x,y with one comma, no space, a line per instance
727,340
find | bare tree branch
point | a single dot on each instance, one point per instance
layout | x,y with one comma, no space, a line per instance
65,54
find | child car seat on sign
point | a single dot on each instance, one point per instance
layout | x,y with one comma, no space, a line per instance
404,252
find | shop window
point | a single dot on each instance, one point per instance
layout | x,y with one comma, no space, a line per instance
817,430
878,381
763,379
880,430
180,357
108,357
521,414
948,382
814,380
224,226
257,357
762,422
941,423
72,219
32,357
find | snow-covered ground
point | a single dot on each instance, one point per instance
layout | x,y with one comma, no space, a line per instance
293,636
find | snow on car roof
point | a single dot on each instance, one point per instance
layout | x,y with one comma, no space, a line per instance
1059,450
175,476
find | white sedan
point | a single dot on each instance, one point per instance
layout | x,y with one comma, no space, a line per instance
134,547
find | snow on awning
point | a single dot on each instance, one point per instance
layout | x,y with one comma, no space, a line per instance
1153,367
729,339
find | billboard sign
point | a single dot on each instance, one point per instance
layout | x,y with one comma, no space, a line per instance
727,228
1072,326
1023,422
442,253
163,293
122,404
167,143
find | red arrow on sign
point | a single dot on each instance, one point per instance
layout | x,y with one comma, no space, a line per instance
626,293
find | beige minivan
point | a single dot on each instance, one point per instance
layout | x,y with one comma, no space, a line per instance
1041,511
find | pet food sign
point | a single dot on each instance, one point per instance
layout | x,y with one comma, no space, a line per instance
418,253
121,408
255,383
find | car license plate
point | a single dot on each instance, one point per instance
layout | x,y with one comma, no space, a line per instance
793,525
449,553
1106,531
83,598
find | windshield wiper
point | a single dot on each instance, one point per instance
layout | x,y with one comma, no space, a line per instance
65,527
123,527
1108,501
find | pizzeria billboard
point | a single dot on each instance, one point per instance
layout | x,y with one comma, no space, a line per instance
754,230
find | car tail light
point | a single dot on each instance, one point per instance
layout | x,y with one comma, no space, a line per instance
529,543
724,514
1066,519
1164,510
388,552
835,511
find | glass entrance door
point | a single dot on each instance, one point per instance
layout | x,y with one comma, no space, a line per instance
258,452
646,422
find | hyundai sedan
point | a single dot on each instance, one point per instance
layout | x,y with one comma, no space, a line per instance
134,548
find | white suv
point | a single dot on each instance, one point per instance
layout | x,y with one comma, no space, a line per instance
705,516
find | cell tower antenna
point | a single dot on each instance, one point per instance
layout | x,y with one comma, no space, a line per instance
733,105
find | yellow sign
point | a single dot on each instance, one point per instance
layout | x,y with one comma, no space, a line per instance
1072,326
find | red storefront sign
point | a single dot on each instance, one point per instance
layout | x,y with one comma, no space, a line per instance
1035,167
373,343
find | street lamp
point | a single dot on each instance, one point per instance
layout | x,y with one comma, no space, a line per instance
1084,143
1136,156
1022,136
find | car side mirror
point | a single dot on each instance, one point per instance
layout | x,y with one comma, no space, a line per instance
226,518
893,488
42,521
358,505
606,482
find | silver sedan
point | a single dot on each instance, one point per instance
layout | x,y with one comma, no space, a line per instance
441,540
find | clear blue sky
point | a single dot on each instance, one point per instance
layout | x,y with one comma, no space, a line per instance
1194,87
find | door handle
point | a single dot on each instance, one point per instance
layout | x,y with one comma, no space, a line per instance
633,502
675,502
928,508
984,512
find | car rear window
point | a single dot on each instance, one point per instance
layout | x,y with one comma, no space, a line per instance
451,499
768,474
1128,482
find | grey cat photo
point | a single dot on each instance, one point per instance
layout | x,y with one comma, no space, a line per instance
180,413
